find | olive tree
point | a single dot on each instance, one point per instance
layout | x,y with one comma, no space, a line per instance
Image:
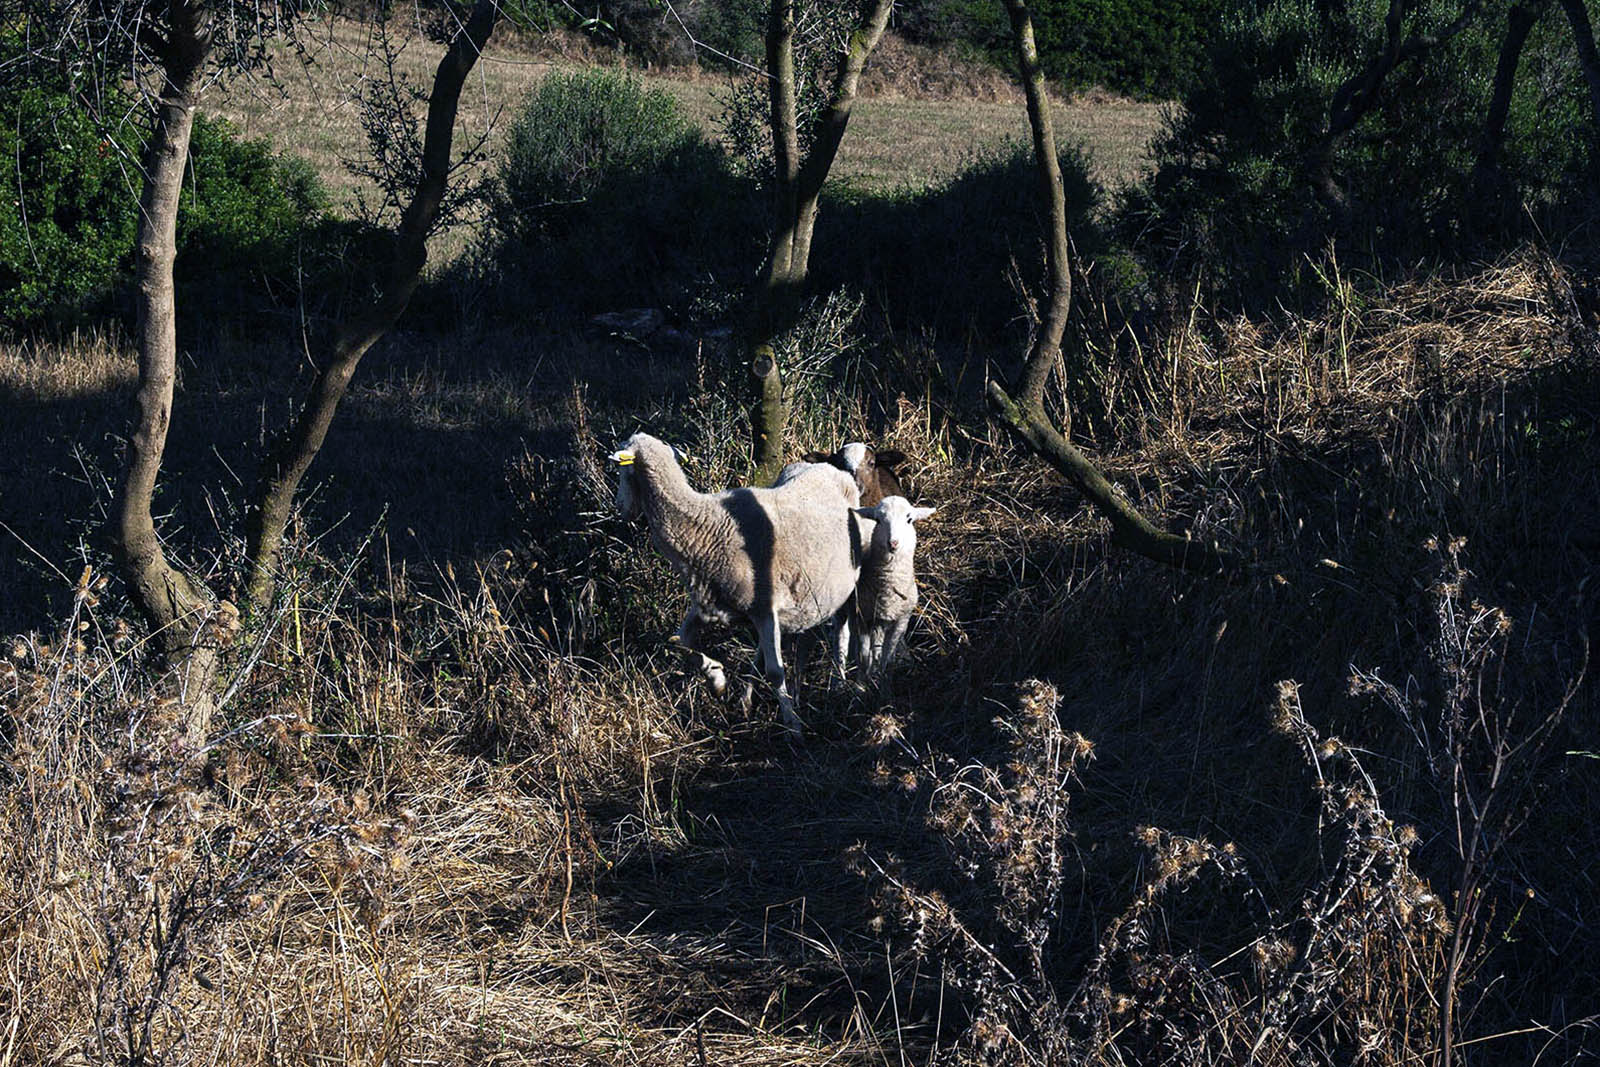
803,151
172,50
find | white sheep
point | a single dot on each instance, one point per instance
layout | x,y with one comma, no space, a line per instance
886,593
785,559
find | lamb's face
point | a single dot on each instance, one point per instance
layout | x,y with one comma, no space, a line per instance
895,531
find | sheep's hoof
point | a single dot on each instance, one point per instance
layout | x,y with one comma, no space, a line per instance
716,677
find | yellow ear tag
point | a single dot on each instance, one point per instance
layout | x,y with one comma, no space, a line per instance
622,459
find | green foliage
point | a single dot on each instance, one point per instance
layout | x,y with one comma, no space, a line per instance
946,257
1142,47
608,195
245,210
69,210
734,27
1231,196
68,202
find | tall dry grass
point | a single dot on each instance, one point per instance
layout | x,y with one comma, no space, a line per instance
465,809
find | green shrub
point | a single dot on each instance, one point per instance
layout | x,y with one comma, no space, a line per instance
608,195
68,203
942,257
244,210
1231,198
69,212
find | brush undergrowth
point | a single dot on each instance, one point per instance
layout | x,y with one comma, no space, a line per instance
472,811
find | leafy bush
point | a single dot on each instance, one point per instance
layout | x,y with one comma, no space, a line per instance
67,206
608,195
69,210
244,209
943,257
1232,194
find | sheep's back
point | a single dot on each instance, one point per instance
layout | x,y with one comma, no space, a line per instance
804,544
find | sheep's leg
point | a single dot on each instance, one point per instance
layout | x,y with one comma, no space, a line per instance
771,636
863,645
805,643
841,635
688,636
895,633
875,642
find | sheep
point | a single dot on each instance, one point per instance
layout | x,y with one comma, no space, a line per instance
873,470
886,593
784,559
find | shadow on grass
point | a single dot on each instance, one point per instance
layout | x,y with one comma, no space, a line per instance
422,444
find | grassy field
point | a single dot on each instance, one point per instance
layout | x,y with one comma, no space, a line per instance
461,805
894,140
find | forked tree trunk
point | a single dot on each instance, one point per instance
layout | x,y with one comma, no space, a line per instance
178,609
299,445
797,190
1026,416
1359,94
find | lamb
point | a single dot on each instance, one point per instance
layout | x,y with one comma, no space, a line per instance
887,591
873,470
784,559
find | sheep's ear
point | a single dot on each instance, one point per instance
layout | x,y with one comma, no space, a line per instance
890,458
875,513
816,457
918,514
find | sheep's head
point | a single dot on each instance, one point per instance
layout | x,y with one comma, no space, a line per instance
895,517
639,453
873,470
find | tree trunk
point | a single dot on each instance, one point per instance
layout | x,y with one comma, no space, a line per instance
1359,94
178,609
797,190
1583,37
298,447
1486,177
1045,354
1025,416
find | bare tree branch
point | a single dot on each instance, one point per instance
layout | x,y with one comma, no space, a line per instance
296,450
1025,416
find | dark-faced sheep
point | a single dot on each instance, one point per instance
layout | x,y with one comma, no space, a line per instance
784,559
873,470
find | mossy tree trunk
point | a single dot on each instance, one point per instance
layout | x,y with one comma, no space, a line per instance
178,608
1025,415
298,446
797,189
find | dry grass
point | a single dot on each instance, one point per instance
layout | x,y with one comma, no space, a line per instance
917,124
467,811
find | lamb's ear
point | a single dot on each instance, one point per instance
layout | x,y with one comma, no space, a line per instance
918,514
890,457
875,512
816,457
